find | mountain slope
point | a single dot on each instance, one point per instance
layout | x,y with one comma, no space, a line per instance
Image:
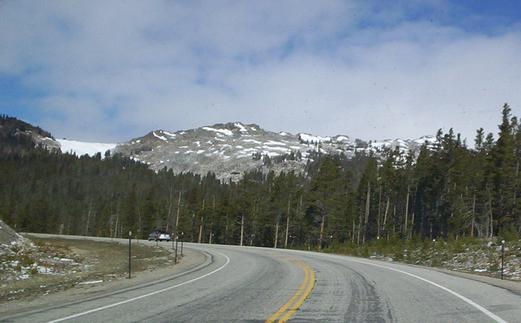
18,136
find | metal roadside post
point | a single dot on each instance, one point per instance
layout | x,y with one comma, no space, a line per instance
182,243
502,257
129,253
175,257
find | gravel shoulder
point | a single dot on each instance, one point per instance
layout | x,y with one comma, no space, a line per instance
97,282
513,286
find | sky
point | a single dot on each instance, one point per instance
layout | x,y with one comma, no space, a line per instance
109,71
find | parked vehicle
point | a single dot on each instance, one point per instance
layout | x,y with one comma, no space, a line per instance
159,235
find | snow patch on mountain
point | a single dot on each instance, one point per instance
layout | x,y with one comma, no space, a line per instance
173,135
341,139
226,132
158,136
252,140
241,127
430,141
275,143
81,148
313,139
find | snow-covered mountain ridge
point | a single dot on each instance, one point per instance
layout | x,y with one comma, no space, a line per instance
231,149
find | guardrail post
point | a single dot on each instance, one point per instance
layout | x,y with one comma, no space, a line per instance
182,243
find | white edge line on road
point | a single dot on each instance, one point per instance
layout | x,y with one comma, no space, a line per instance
145,295
463,298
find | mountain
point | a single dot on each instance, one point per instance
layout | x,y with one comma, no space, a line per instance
226,149
17,136
231,149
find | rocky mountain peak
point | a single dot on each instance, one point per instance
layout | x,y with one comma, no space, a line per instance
231,149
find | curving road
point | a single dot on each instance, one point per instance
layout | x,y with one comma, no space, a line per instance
260,284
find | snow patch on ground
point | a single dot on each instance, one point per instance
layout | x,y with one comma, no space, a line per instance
281,149
248,151
90,282
270,153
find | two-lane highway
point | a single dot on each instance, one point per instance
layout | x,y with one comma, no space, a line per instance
261,284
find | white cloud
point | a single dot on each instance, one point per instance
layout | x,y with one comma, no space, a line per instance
114,70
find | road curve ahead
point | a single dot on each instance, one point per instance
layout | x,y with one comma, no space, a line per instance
238,284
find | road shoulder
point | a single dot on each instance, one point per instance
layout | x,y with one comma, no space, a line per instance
192,260
512,286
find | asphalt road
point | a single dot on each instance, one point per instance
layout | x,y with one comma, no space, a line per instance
259,284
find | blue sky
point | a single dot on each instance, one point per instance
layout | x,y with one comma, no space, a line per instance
111,70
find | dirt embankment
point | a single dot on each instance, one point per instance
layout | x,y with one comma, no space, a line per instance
8,236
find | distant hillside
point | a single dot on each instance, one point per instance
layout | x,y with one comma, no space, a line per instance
17,136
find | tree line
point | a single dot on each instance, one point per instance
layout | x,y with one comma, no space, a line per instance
447,190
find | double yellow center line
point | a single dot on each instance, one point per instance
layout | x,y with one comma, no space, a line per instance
288,310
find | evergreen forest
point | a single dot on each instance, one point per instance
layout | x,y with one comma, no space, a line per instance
452,190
